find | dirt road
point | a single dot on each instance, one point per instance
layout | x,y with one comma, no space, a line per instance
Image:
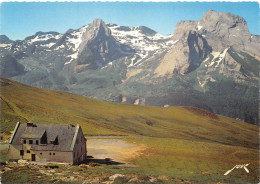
115,149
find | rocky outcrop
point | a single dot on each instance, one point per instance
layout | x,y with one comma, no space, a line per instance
5,40
98,47
195,40
186,55
224,30
10,67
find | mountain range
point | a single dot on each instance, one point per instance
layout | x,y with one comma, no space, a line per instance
211,64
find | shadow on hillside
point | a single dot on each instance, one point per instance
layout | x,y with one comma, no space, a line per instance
107,161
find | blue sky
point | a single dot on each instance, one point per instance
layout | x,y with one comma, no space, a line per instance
22,19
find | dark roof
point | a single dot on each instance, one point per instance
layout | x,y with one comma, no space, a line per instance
33,132
65,134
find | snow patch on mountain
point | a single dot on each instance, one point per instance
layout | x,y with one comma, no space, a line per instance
199,26
221,57
5,45
143,44
72,56
76,38
49,45
45,37
74,41
132,61
217,58
203,81
59,47
175,41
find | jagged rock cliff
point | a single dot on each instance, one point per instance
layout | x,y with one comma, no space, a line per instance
211,36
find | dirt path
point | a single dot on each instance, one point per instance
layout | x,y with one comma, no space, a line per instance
115,149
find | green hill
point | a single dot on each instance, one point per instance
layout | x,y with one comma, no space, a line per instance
23,103
181,142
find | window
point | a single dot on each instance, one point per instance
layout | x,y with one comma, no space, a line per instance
37,142
24,141
21,152
40,153
49,153
28,151
30,141
53,153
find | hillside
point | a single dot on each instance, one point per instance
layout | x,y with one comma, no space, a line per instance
182,144
24,103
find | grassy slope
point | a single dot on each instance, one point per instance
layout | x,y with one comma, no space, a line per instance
22,102
186,141
196,160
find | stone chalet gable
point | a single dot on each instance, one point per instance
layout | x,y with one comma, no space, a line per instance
49,137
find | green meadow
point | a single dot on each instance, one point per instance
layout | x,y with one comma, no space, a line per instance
181,142
196,160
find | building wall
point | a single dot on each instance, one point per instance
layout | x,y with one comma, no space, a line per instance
40,156
14,151
54,156
80,149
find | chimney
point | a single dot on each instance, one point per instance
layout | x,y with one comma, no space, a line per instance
29,124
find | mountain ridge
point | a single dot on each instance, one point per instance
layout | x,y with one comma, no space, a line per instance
136,65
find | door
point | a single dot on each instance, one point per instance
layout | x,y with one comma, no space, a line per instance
33,157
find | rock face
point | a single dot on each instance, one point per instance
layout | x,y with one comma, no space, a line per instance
195,40
10,67
224,30
211,64
4,39
98,47
189,50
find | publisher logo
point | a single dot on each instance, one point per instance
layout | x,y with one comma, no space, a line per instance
243,166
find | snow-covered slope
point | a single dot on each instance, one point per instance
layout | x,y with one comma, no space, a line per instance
145,44
137,43
74,41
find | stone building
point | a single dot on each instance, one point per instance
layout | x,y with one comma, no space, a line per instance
48,143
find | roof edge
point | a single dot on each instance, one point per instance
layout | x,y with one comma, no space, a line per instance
15,130
74,138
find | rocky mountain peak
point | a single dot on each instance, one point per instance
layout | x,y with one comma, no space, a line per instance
184,26
4,39
96,29
222,23
147,31
100,27
189,50
212,17
97,23
231,29
219,23
195,40
98,47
